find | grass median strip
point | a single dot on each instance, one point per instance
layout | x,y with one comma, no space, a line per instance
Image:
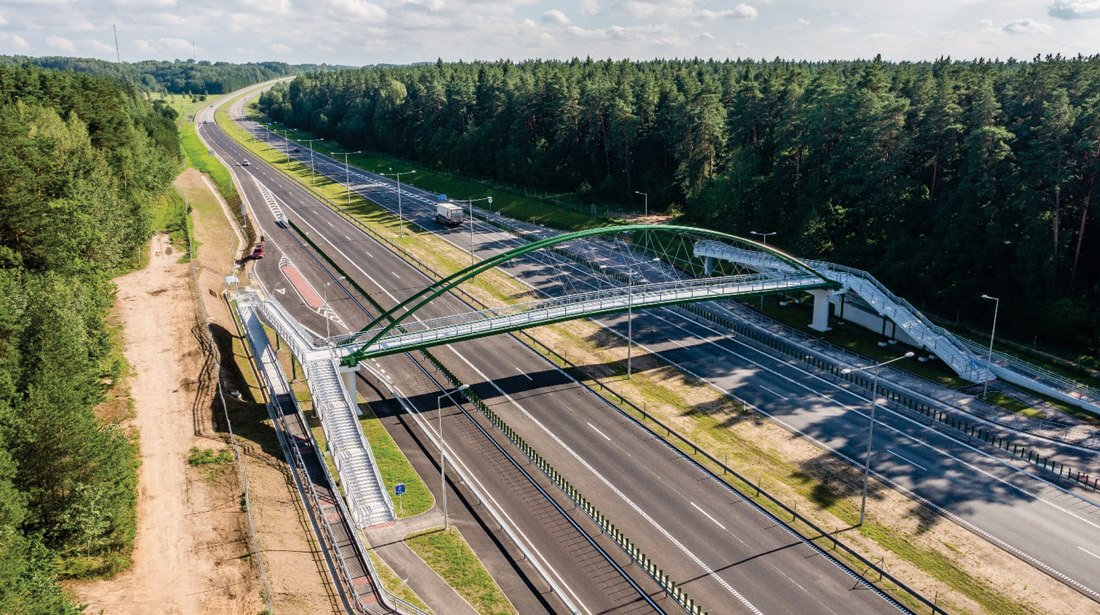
395,468
448,554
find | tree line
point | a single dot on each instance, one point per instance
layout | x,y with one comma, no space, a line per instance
82,159
175,76
946,179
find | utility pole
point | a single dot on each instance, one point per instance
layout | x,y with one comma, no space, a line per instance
871,424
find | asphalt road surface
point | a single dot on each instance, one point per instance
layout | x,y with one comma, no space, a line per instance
724,552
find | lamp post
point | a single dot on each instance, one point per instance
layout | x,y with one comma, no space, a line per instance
646,195
347,170
312,167
286,141
470,204
630,325
764,242
328,332
443,448
992,332
400,212
871,424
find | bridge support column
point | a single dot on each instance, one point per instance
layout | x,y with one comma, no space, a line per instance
347,376
708,265
821,310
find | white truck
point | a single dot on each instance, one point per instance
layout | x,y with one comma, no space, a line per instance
448,214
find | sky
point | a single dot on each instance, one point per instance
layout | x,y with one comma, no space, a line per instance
359,32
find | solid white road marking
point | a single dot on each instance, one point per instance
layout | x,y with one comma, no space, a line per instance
611,487
524,374
713,519
906,459
777,394
457,460
394,274
597,430
1089,552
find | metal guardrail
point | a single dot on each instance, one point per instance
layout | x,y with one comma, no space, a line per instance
1019,365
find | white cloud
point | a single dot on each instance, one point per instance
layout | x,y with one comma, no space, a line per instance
100,46
3,20
707,36
281,48
556,17
741,11
840,30
356,10
60,43
589,8
175,44
20,42
801,22
143,46
1074,9
274,7
1026,26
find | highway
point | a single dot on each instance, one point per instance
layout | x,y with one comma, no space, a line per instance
577,566
1050,527
726,553
1044,524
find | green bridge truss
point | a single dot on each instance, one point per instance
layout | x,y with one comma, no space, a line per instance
389,323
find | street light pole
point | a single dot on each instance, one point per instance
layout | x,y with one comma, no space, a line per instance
646,195
400,211
992,332
443,448
347,170
328,332
629,326
312,166
764,241
871,426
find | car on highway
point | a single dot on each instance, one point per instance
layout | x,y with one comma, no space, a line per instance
244,163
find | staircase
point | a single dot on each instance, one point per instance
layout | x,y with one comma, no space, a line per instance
364,491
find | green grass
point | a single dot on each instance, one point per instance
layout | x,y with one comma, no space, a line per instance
208,456
860,340
169,214
712,426
395,468
448,554
1014,405
556,211
394,584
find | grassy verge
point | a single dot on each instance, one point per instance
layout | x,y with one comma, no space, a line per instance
824,490
857,339
395,467
448,554
169,214
393,584
561,211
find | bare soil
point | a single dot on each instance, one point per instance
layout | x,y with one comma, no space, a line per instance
293,565
190,555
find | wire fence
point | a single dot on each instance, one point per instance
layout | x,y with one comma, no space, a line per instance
211,371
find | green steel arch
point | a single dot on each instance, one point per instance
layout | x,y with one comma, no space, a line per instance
417,301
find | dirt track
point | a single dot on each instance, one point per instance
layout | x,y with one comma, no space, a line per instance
189,556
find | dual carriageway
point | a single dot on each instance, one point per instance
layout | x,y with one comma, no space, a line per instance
727,554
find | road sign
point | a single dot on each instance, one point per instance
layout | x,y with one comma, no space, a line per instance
399,489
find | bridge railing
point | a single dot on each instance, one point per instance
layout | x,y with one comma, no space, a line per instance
578,305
